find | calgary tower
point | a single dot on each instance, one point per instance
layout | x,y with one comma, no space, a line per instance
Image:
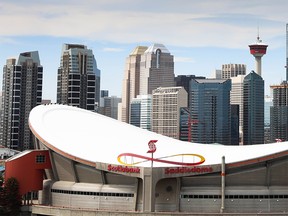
258,49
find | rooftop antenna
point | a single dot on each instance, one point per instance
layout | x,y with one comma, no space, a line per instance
258,34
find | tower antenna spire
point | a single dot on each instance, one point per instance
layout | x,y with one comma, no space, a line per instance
258,37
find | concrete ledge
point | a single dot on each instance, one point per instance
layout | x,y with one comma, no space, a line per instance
63,211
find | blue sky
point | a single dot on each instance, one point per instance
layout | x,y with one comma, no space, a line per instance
202,35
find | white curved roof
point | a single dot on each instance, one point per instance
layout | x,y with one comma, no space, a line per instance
96,138
154,47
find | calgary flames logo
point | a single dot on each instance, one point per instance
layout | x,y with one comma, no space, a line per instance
152,146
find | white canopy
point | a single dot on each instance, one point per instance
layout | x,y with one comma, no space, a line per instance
97,138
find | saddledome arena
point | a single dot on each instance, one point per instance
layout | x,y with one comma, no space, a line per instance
98,163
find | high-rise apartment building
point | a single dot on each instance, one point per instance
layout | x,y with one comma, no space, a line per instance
232,70
210,111
22,91
253,109
131,81
279,112
78,81
157,69
140,111
166,104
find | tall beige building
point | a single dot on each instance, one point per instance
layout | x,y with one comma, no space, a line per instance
232,70
166,104
130,85
147,68
157,69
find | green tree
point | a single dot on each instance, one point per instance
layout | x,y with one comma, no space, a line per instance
10,199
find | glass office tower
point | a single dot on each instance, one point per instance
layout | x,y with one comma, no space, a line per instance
253,109
210,111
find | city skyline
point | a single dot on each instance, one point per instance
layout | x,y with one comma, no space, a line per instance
201,35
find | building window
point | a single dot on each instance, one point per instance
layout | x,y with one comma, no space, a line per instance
40,158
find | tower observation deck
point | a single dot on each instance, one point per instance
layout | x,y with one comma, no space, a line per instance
258,49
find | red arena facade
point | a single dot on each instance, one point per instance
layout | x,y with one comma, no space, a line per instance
96,163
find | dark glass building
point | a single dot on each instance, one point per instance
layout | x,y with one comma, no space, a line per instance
184,81
235,138
135,112
253,109
279,113
210,111
185,125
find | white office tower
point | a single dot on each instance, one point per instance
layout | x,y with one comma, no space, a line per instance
233,70
236,98
166,104
157,69
140,111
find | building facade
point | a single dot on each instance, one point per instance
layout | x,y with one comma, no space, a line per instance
166,105
184,80
22,91
141,109
157,69
109,106
185,124
253,109
210,111
279,112
78,82
235,135
131,81
236,98
232,70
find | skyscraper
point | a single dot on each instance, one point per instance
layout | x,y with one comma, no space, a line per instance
184,80
22,90
166,104
236,98
78,81
232,70
157,69
130,84
253,109
146,69
279,112
210,111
